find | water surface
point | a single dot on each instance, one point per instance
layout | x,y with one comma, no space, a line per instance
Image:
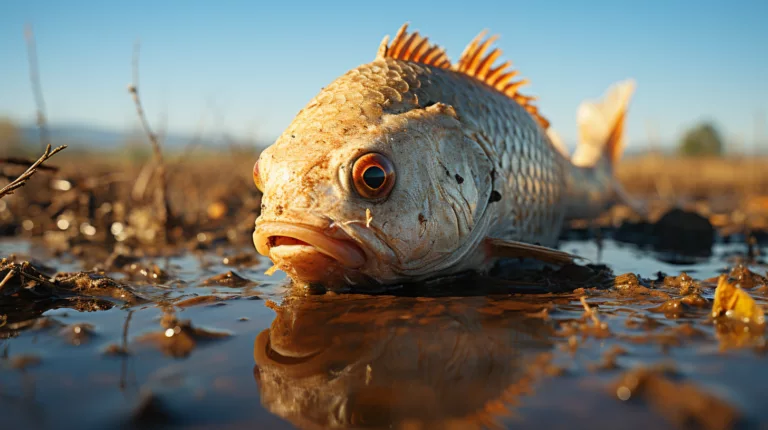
466,353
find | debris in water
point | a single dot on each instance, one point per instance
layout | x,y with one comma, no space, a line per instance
24,361
203,300
599,328
747,279
241,259
114,349
684,282
179,338
229,279
77,334
24,286
97,285
682,403
734,302
608,360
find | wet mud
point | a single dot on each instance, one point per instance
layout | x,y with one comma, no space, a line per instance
213,342
111,320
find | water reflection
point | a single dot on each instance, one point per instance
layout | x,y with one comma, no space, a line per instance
381,361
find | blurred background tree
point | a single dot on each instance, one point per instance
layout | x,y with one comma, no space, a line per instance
703,139
10,137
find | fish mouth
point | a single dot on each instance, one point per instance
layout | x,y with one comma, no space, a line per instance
275,236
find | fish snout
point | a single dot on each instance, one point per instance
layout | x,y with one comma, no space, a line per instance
307,253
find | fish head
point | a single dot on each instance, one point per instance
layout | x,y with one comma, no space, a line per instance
399,199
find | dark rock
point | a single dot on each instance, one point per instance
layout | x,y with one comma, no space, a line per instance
684,232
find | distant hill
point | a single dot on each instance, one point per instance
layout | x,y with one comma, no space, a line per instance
94,137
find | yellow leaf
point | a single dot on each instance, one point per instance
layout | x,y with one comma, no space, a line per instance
733,302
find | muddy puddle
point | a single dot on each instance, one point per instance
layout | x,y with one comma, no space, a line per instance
204,339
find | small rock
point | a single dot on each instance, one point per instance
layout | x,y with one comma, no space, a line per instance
229,279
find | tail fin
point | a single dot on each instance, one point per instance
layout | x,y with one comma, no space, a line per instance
601,126
601,142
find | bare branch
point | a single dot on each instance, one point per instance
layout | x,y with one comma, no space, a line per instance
161,199
142,180
22,180
134,90
34,79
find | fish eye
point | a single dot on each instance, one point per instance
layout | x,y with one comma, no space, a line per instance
373,176
256,177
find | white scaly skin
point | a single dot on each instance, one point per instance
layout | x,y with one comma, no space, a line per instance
470,163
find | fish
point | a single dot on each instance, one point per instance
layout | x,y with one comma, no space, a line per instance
413,167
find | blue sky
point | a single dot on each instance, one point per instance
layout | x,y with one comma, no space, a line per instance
247,67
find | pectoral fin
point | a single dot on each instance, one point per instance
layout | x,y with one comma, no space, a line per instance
624,197
513,249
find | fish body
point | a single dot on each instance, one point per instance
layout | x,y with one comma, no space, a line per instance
409,167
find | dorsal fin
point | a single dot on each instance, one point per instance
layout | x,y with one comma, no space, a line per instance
476,63
413,47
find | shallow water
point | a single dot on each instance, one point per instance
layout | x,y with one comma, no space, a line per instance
261,356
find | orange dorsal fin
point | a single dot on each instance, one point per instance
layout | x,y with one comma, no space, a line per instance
476,63
413,47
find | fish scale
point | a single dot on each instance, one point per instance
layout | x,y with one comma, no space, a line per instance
532,184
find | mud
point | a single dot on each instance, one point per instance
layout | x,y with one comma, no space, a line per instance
205,346
104,325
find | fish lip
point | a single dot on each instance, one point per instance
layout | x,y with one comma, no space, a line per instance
345,251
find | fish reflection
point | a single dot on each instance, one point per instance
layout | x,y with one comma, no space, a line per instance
384,361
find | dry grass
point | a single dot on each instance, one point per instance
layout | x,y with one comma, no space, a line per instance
88,201
675,177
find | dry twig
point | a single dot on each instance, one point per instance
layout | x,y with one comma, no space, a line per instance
34,79
23,270
161,198
22,180
7,278
143,180
590,312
